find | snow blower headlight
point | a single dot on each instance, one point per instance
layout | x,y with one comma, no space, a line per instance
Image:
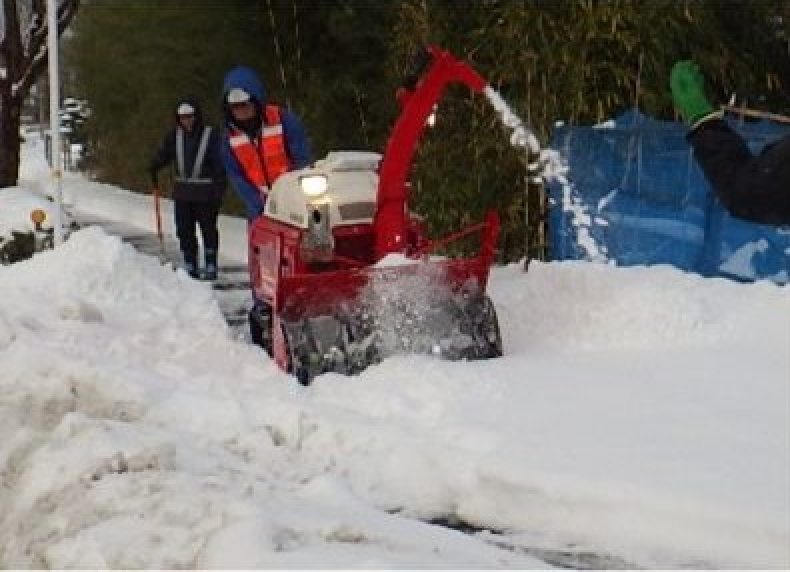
314,186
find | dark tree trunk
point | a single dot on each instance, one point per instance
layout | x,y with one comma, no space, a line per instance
9,141
23,57
11,53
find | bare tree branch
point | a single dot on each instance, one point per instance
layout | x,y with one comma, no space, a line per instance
36,61
23,57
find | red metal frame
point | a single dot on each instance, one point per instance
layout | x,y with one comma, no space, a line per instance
296,288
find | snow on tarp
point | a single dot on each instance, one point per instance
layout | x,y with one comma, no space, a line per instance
634,195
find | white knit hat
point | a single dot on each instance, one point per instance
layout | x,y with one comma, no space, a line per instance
185,109
237,95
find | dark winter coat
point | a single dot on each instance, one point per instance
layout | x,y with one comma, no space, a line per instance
753,188
295,136
210,183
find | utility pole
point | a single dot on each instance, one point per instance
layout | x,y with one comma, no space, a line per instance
54,120
42,104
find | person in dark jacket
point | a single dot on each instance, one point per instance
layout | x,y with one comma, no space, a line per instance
261,140
754,188
198,185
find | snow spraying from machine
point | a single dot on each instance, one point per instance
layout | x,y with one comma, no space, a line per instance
521,135
415,312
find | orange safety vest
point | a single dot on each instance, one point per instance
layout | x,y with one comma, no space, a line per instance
265,158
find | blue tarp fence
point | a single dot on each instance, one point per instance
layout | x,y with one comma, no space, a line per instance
633,195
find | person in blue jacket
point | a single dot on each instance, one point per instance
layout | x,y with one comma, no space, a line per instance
261,141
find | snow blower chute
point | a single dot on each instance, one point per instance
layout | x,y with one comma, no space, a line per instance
342,271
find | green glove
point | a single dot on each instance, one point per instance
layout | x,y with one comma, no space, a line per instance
688,91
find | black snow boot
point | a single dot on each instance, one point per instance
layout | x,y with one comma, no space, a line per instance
210,272
190,264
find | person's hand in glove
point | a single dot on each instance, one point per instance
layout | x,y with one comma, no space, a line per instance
688,91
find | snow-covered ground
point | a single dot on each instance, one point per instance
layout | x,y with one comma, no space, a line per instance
640,415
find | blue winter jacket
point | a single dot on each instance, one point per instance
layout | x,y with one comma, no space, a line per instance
296,144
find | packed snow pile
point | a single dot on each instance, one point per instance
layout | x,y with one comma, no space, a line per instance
638,417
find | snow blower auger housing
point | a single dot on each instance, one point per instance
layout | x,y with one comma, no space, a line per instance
341,270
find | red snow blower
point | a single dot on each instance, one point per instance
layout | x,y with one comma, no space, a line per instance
343,274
